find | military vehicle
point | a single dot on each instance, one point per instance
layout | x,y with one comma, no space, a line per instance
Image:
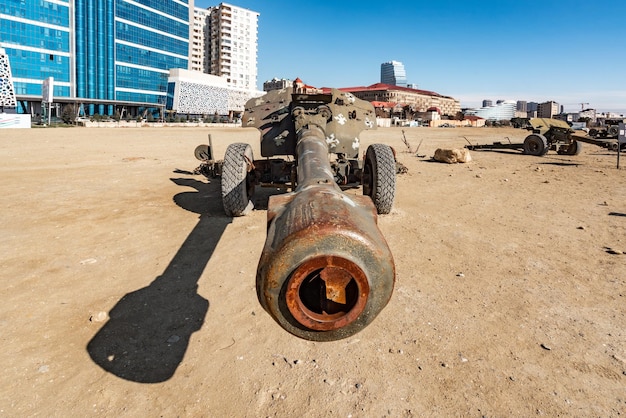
549,134
326,270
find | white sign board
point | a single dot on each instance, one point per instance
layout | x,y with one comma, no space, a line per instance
622,133
13,120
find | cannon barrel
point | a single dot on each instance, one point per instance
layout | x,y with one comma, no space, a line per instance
326,270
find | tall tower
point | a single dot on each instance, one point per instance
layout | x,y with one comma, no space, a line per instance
232,45
393,73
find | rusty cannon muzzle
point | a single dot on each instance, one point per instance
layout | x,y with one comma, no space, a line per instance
326,270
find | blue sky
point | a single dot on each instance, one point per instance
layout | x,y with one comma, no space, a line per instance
569,51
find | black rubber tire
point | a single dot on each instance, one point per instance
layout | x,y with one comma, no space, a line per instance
593,132
574,148
536,144
613,130
379,177
236,189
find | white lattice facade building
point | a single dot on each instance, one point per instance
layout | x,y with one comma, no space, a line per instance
191,92
7,91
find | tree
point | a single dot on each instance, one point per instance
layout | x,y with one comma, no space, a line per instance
68,115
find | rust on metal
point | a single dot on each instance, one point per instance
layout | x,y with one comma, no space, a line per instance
327,293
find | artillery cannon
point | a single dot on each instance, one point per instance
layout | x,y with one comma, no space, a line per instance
325,271
549,134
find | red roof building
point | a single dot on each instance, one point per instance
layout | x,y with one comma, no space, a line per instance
420,100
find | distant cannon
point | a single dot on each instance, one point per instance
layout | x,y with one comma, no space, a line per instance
326,270
550,134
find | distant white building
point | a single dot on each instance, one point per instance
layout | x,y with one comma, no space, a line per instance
195,93
503,110
277,84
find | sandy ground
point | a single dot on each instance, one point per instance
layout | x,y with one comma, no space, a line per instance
126,291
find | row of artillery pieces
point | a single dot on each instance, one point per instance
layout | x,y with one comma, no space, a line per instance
557,135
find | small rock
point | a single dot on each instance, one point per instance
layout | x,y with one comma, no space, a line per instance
612,251
460,275
99,317
44,369
88,261
358,386
479,176
581,227
173,339
545,347
604,203
296,362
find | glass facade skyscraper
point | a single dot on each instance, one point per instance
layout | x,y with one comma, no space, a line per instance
110,51
37,39
393,73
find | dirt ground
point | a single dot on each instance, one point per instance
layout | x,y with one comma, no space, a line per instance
127,292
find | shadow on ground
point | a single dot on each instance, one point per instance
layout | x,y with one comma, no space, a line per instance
149,329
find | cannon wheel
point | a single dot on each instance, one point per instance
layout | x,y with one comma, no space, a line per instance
574,148
536,144
236,188
379,177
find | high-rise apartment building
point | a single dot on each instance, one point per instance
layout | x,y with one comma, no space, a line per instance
197,47
487,103
232,45
393,73
548,109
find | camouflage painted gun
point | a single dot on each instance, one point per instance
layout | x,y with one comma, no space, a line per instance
326,270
